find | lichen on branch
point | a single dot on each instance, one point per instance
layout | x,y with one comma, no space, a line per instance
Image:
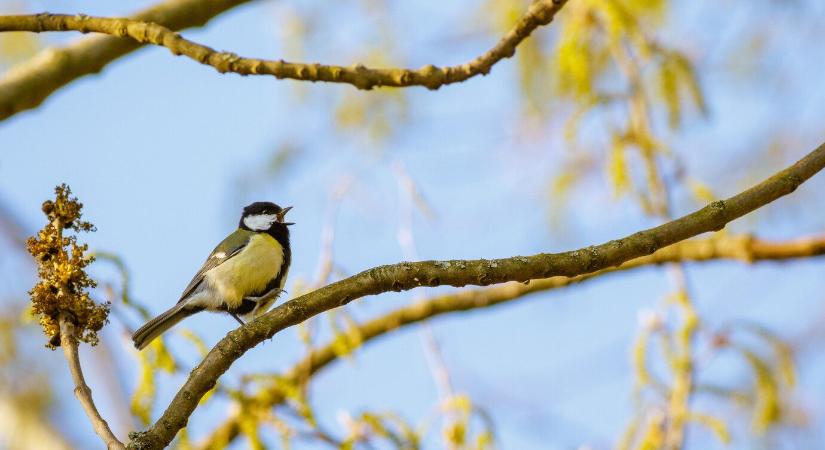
61,269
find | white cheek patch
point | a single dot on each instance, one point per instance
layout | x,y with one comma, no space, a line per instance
260,222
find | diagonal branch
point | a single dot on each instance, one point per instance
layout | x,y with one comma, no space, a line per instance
741,248
28,84
68,341
409,275
142,31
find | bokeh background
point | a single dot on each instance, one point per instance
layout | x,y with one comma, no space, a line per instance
164,153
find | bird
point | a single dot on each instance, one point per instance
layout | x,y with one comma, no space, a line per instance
243,275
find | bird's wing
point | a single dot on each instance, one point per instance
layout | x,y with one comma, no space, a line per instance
229,247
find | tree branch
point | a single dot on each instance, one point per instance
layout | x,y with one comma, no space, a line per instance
68,341
539,14
409,275
742,248
28,84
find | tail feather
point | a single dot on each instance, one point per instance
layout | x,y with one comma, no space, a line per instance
157,326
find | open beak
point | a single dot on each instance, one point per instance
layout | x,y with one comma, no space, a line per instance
282,214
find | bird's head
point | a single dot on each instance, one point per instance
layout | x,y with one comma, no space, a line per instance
262,216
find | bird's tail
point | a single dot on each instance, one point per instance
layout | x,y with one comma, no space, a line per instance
157,326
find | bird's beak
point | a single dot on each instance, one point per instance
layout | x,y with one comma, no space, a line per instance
282,214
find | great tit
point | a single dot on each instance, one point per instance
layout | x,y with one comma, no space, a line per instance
242,276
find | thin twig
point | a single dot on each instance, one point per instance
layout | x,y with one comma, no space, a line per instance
326,259
82,391
540,13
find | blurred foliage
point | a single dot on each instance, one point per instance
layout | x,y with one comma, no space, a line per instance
370,118
376,114
275,164
25,411
607,65
26,394
15,47
461,415
155,357
347,336
369,427
125,297
373,117
773,375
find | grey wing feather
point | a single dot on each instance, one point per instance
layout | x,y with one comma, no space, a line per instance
210,264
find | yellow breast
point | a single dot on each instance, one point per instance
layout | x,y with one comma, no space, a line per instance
248,272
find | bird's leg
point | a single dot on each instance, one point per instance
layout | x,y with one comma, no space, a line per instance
274,292
235,316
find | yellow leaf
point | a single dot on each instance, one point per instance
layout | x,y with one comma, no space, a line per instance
714,424
196,340
701,191
17,46
456,433
640,348
459,402
144,396
687,75
484,440
766,392
654,435
668,86
617,167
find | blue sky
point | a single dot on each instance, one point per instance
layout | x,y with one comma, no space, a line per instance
155,147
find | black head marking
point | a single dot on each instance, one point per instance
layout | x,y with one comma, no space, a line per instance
254,218
259,208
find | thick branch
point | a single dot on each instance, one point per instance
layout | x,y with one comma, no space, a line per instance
68,341
539,14
405,276
742,248
26,85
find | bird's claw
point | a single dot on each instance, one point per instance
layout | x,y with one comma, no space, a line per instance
271,294
274,292
235,316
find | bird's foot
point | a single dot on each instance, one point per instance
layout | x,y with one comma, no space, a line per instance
235,316
258,300
273,293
